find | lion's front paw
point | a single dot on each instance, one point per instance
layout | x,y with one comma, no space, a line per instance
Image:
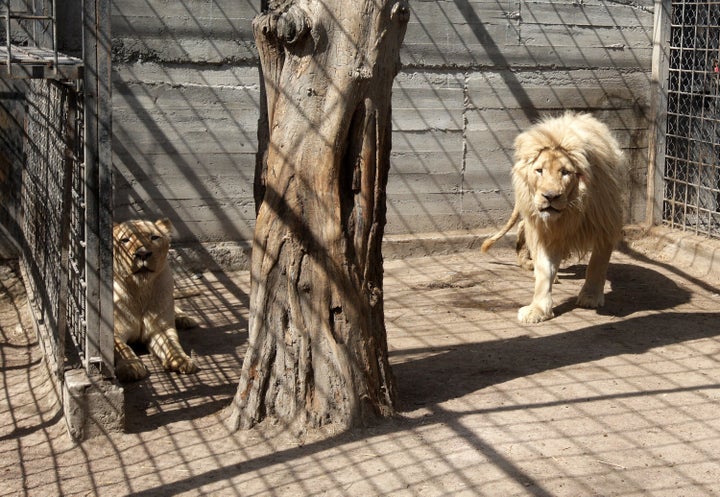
531,314
590,299
130,370
181,364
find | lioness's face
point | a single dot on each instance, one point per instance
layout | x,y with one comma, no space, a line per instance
553,180
140,247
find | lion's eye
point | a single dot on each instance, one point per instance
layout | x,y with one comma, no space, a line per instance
155,238
564,172
125,240
539,171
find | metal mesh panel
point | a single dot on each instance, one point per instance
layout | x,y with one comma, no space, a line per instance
692,165
50,124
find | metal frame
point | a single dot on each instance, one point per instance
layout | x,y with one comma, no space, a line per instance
658,113
39,57
98,185
10,14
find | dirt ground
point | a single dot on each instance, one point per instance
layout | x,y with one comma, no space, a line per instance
622,402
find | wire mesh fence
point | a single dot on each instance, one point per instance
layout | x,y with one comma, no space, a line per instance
692,166
51,209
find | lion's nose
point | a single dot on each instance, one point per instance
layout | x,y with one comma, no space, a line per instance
143,254
551,195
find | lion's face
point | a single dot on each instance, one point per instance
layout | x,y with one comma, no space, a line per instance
553,181
140,248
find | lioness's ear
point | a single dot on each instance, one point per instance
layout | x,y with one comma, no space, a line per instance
164,225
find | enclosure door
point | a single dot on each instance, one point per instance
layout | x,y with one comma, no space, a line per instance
692,155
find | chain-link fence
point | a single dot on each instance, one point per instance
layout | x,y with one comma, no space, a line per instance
692,165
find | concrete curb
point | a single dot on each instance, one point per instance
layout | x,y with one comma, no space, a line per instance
235,256
675,247
92,406
427,244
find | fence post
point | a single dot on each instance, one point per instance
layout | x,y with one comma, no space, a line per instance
658,113
98,186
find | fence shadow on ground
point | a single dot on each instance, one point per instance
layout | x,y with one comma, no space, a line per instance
540,375
449,375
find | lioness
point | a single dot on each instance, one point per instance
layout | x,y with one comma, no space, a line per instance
144,309
567,177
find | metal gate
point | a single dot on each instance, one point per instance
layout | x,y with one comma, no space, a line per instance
691,198
66,197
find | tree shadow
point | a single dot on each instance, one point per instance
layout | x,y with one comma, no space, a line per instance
164,397
463,369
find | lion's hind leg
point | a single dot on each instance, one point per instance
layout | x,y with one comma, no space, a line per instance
592,294
165,345
524,257
128,366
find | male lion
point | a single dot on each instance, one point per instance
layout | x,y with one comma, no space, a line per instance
144,309
567,178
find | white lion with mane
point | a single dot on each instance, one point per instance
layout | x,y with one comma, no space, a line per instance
568,180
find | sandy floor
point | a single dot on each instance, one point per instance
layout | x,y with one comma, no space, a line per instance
625,401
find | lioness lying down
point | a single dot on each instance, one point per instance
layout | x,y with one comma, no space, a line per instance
144,308
568,178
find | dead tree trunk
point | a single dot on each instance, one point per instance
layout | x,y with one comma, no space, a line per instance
317,341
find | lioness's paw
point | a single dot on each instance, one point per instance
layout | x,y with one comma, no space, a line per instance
531,314
185,321
590,300
181,364
130,370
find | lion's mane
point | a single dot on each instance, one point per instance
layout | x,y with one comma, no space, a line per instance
595,211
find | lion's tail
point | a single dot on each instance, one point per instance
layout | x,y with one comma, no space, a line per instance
497,236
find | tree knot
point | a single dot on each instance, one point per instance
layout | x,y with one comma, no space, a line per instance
292,25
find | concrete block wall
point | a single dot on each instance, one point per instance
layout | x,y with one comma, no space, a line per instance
475,74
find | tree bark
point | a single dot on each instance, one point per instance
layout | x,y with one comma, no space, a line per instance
317,350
